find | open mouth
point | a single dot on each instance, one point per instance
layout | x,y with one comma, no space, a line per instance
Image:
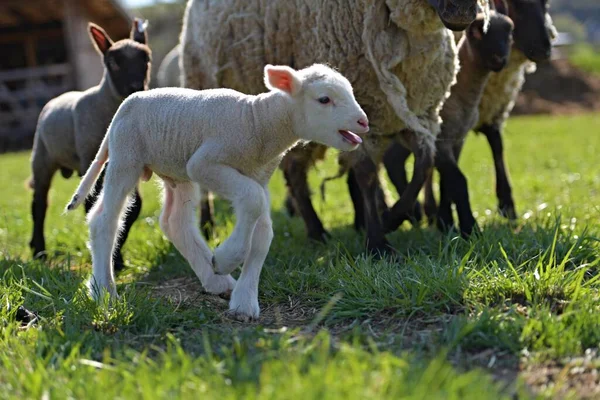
350,137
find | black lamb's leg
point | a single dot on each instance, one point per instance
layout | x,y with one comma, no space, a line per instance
506,204
454,190
43,169
133,212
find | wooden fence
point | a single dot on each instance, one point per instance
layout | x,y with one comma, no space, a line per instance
23,94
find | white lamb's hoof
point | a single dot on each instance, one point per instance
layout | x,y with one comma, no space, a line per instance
226,261
244,308
97,291
219,284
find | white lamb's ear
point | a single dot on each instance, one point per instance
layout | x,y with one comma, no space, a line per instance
282,78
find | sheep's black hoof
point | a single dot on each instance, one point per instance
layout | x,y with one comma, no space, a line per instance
39,252
446,225
119,263
26,317
381,250
319,235
508,211
471,230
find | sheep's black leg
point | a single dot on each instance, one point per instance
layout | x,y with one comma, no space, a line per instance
91,199
423,165
430,206
365,173
506,204
43,171
133,212
455,189
289,204
295,172
394,161
445,220
357,201
207,221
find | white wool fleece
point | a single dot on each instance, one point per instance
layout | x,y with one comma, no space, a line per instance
223,141
397,54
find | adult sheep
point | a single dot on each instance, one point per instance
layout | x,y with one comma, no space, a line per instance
398,55
533,34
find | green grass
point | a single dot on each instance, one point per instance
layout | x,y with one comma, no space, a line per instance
586,57
511,311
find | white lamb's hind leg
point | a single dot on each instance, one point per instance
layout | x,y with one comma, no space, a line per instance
179,223
104,220
166,208
247,197
244,299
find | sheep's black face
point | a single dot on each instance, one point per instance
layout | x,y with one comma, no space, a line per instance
492,47
455,14
128,64
531,35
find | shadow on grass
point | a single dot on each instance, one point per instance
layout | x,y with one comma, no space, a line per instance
510,287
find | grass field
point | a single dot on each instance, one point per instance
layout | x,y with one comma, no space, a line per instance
586,57
514,311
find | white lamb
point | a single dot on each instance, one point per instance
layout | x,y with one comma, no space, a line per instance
226,142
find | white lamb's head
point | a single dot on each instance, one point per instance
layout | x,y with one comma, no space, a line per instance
324,107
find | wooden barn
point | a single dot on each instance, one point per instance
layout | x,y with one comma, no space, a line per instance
45,51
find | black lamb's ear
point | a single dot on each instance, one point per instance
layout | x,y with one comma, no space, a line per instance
138,31
100,38
501,6
476,29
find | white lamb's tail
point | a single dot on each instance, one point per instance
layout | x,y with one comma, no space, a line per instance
88,180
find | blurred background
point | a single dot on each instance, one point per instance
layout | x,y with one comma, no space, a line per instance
46,51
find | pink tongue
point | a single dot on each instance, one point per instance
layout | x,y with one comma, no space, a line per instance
351,137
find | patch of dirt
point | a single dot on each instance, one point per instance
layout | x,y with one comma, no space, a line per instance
577,376
188,291
558,87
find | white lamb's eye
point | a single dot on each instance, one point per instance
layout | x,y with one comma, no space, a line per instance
324,100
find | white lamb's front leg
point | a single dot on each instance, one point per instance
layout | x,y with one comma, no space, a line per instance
248,199
244,299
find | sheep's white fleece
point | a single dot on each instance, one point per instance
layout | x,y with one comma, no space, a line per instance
503,87
397,54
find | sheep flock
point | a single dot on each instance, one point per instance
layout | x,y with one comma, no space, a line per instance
258,85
